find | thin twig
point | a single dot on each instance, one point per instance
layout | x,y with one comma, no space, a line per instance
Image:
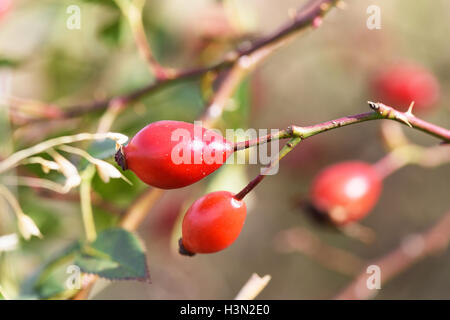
86,203
303,19
414,248
412,154
132,10
301,240
253,287
309,131
17,157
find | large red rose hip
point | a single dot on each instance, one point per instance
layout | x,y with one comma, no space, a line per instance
402,84
212,223
346,191
173,154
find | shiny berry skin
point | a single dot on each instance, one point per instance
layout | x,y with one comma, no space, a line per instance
402,84
212,223
346,191
173,154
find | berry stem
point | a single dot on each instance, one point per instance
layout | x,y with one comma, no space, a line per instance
288,147
394,161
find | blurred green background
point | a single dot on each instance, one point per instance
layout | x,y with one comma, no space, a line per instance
323,74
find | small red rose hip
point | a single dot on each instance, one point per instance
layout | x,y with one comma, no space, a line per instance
173,154
402,84
4,6
346,191
212,223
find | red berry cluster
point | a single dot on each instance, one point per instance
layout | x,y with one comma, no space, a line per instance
343,193
214,221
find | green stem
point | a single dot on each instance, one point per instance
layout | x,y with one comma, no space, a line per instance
381,112
297,134
86,207
288,147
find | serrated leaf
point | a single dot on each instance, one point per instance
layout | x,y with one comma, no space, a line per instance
116,254
110,32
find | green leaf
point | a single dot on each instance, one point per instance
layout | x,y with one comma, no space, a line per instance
108,3
238,117
8,63
50,287
110,33
41,284
116,254
102,149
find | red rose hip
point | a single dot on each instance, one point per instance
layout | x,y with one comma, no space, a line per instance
4,6
402,84
212,223
173,154
346,191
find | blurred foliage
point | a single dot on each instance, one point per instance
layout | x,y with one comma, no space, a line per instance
321,76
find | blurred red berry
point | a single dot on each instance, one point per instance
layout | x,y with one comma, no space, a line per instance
401,84
346,191
212,223
4,6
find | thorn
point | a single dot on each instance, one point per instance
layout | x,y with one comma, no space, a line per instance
403,119
341,5
410,109
292,13
324,6
317,22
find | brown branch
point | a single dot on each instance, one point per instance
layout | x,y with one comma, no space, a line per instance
412,154
303,19
414,248
301,240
